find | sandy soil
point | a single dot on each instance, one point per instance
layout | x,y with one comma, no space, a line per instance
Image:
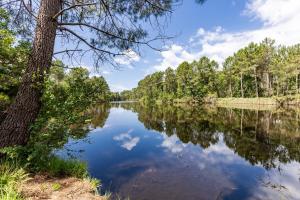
45,187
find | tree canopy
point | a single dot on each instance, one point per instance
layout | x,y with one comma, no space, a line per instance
257,70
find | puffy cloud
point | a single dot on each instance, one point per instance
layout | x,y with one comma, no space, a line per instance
173,144
172,57
127,141
280,21
131,143
273,12
277,183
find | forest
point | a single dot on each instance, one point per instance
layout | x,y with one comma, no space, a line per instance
46,100
49,98
257,70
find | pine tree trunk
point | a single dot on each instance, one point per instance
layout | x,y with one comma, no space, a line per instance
256,84
297,84
242,89
268,84
230,85
230,89
271,85
277,86
14,130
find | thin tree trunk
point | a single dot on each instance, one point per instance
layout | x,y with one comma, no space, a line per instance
242,90
256,85
230,85
241,125
297,84
268,84
277,86
14,130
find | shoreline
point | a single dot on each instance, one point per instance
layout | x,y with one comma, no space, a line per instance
262,103
255,103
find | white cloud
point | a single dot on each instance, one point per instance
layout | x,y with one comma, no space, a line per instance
175,55
127,141
129,58
280,21
277,183
273,12
130,144
173,144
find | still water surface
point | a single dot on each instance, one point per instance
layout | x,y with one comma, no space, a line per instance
186,153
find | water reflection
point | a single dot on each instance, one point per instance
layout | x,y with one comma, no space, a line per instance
261,137
165,152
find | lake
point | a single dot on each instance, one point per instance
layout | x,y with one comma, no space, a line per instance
162,152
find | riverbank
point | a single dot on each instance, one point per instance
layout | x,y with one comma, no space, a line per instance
257,103
247,103
43,186
261,103
66,179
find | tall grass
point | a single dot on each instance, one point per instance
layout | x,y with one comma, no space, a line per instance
60,167
11,178
13,174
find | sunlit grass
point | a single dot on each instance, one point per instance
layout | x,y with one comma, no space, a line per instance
72,168
11,178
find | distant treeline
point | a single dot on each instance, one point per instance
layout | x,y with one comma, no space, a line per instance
258,70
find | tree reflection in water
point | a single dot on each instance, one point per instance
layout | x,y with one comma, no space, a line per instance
261,137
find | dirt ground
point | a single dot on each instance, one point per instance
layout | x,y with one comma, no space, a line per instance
45,187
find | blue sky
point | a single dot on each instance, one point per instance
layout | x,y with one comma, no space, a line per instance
215,29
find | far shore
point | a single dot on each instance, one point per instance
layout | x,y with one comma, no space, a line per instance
256,103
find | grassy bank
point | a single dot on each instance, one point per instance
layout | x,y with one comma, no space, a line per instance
247,103
258,103
262,103
59,180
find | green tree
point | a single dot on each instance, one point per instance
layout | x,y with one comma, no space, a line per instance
13,56
170,86
109,37
184,75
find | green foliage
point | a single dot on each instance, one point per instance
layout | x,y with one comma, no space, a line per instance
66,98
252,134
258,70
95,183
62,168
13,57
4,101
65,114
11,178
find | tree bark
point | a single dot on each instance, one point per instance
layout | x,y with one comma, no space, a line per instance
14,130
277,86
230,85
242,89
256,84
268,84
297,91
